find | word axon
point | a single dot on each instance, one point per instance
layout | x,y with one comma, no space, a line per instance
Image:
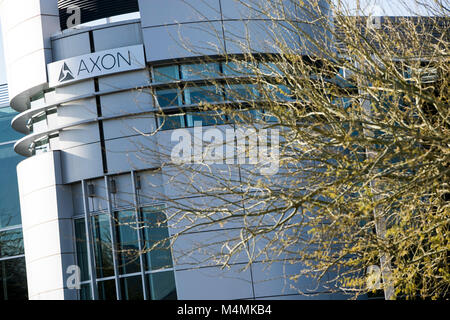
96,64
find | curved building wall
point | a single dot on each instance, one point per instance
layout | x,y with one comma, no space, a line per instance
85,144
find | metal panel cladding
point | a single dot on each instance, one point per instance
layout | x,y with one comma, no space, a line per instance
95,9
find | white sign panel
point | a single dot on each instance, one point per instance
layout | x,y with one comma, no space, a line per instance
96,64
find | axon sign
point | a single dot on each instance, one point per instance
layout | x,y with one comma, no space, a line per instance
96,64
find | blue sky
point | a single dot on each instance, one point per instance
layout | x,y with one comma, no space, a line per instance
378,7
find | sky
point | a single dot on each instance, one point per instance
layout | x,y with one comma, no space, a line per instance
376,7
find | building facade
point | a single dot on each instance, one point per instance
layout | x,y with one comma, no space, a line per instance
89,98
13,284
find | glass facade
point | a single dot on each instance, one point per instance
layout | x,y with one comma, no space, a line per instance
13,283
181,89
132,256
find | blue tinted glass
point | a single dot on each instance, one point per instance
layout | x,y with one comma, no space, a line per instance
162,286
13,280
240,92
170,122
239,69
127,239
167,98
200,71
195,95
156,237
165,74
6,132
11,243
9,193
210,118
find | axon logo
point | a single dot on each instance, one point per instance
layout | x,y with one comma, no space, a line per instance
96,64
65,74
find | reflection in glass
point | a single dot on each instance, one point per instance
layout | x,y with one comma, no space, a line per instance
195,95
208,118
244,92
166,74
168,98
156,236
127,240
85,292
107,290
169,122
13,280
11,243
81,245
9,210
131,288
103,248
200,71
162,286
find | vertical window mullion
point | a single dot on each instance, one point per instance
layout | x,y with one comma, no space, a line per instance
113,239
90,243
140,235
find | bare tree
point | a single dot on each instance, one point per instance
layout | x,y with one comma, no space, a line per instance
339,157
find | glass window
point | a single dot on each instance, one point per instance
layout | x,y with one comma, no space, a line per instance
107,290
156,236
11,243
166,74
9,192
131,288
85,292
103,249
13,280
41,146
238,68
127,239
6,132
200,71
269,69
195,95
208,118
81,246
162,285
169,122
245,92
168,98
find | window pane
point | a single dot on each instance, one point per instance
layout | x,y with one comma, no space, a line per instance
208,118
156,234
6,132
103,249
85,292
127,240
9,192
162,286
168,98
165,74
200,71
169,122
240,69
82,258
107,290
131,288
11,243
195,95
240,92
13,280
